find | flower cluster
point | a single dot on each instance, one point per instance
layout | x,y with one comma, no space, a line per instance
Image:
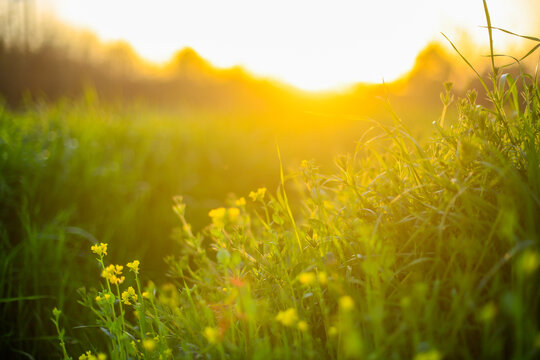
100,249
89,356
287,317
221,216
257,195
113,274
134,266
129,295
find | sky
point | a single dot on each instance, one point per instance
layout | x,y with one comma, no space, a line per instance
311,44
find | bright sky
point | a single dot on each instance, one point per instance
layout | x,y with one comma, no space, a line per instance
308,43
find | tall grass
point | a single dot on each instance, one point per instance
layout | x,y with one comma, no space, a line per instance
78,171
404,251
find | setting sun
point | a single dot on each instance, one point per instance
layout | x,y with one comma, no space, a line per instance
313,45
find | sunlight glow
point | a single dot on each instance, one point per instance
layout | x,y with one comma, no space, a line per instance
308,43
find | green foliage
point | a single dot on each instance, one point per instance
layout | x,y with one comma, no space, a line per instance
423,252
406,250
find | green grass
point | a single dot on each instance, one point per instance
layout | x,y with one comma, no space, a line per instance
423,252
401,250
75,172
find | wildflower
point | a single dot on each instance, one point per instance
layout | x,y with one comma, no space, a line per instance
112,274
258,195
346,303
302,326
306,278
88,356
530,261
129,295
149,344
169,295
405,302
134,266
322,277
488,312
211,334
287,317
100,249
103,297
428,355
240,202
146,295
332,331
218,216
101,356
233,214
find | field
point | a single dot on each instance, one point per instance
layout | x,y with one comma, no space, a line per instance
128,232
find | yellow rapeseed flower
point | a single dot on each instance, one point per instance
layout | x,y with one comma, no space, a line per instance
101,356
100,249
332,331
287,317
530,261
302,325
134,266
112,274
233,214
87,356
306,278
241,201
322,277
428,355
218,216
259,195
129,295
149,344
488,312
346,303
211,334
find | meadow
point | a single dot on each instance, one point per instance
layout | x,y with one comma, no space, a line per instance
128,232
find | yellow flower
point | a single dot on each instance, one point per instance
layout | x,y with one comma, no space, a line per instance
100,249
332,331
129,295
322,277
233,214
218,216
241,201
149,344
112,274
146,295
211,334
103,297
134,266
488,312
87,356
530,261
259,195
306,278
101,356
428,355
346,303
302,326
287,317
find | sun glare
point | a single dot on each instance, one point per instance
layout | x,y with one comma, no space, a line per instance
311,44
